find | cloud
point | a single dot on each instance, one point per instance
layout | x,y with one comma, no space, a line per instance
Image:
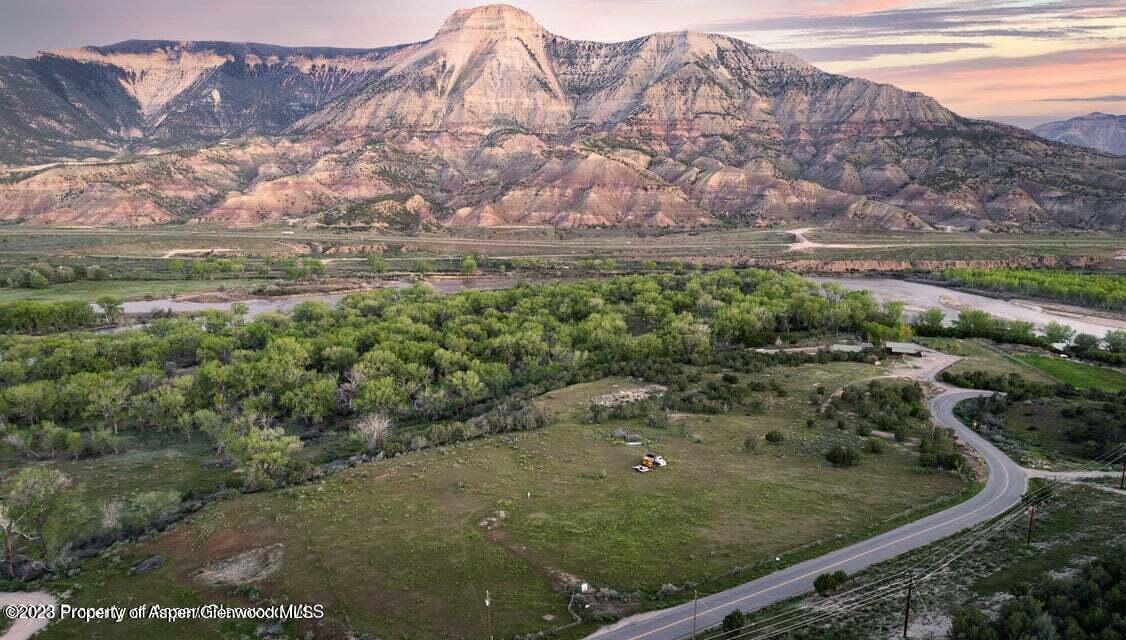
869,51
1087,99
1111,55
932,20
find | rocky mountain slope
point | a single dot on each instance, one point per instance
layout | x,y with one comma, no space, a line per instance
496,121
1101,131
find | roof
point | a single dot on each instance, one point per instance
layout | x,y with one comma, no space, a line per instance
850,348
904,347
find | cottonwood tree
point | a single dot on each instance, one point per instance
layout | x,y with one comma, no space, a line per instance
37,498
13,533
112,308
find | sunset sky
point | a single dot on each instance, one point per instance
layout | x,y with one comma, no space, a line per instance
1022,61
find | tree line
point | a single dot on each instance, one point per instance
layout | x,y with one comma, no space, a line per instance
1105,291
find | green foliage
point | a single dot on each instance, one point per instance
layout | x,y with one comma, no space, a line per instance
1086,606
827,583
468,266
1104,291
775,437
36,502
733,623
843,456
266,456
883,404
378,264
44,317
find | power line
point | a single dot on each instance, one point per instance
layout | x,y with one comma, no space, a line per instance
795,623
967,539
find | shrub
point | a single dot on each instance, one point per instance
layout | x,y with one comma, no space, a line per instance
843,456
875,445
775,437
826,583
750,444
863,430
373,429
658,420
733,623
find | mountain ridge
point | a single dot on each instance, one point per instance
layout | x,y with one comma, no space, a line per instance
1100,131
495,121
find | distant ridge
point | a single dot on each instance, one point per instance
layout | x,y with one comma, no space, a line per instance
497,121
1101,131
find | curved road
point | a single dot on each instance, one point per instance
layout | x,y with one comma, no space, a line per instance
1006,484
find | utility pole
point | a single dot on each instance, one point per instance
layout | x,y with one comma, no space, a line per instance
1122,481
489,614
907,609
695,598
1031,518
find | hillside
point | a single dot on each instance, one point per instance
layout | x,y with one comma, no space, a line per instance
1100,131
497,121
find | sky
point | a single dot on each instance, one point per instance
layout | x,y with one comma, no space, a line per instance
1019,61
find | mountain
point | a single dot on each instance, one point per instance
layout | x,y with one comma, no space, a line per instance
1101,131
496,121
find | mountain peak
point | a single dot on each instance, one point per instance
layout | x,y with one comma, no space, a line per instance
491,18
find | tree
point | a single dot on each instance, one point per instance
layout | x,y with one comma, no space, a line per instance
1115,341
12,532
36,498
468,266
312,401
1056,333
733,623
378,264
422,266
1085,342
265,455
108,400
930,320
975,323
843,456
111,307
30,279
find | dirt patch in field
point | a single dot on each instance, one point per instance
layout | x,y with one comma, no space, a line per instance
626,396
250,566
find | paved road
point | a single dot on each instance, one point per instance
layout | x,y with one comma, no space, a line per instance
1006,484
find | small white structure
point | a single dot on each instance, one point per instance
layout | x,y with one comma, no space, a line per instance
905,348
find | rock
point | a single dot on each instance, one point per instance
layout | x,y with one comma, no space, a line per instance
249,566
146,565
668,129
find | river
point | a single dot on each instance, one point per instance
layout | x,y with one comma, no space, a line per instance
256,306
919,297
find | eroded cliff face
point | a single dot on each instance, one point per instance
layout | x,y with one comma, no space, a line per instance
496,121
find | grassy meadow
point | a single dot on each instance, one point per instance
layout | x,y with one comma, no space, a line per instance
407,547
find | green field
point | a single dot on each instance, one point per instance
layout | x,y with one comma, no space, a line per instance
89,291
399,548
981,355
174,467
1077,374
